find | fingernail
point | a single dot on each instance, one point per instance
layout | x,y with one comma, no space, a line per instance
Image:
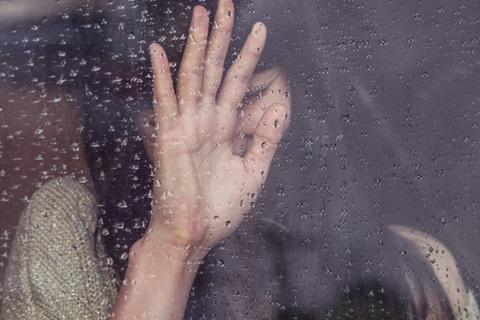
198,11
195,13
152,48
155,48
258,28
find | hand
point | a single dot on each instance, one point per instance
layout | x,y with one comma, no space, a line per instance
203,188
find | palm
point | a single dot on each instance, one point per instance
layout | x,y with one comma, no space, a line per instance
203,189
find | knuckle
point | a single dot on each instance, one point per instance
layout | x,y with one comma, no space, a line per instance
241,79
215,61
192,70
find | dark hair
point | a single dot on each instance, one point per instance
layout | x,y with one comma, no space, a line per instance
377,300
401,285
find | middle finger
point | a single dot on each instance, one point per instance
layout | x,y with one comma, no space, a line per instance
218,48
191,69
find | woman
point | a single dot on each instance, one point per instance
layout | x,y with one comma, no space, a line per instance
410,306
203,188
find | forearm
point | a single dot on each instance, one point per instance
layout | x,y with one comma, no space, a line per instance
158,282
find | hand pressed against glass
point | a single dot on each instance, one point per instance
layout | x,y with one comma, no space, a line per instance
203,187
204,184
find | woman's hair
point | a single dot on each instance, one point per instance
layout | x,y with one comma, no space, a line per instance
372,300
409,284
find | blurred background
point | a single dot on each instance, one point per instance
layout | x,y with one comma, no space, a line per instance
38,138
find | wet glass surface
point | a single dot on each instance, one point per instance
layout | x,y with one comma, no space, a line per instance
385,132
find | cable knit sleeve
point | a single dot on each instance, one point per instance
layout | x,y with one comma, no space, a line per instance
57,269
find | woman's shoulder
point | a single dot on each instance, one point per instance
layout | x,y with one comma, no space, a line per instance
55,267
62,199
65,187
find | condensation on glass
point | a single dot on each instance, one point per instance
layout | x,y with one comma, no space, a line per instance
375,188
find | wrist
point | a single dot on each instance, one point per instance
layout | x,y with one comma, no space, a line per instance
158,273
157,248
185,228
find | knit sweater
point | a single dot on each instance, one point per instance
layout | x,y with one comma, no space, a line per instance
57,267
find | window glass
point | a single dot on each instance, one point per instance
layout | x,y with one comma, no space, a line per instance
369,206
